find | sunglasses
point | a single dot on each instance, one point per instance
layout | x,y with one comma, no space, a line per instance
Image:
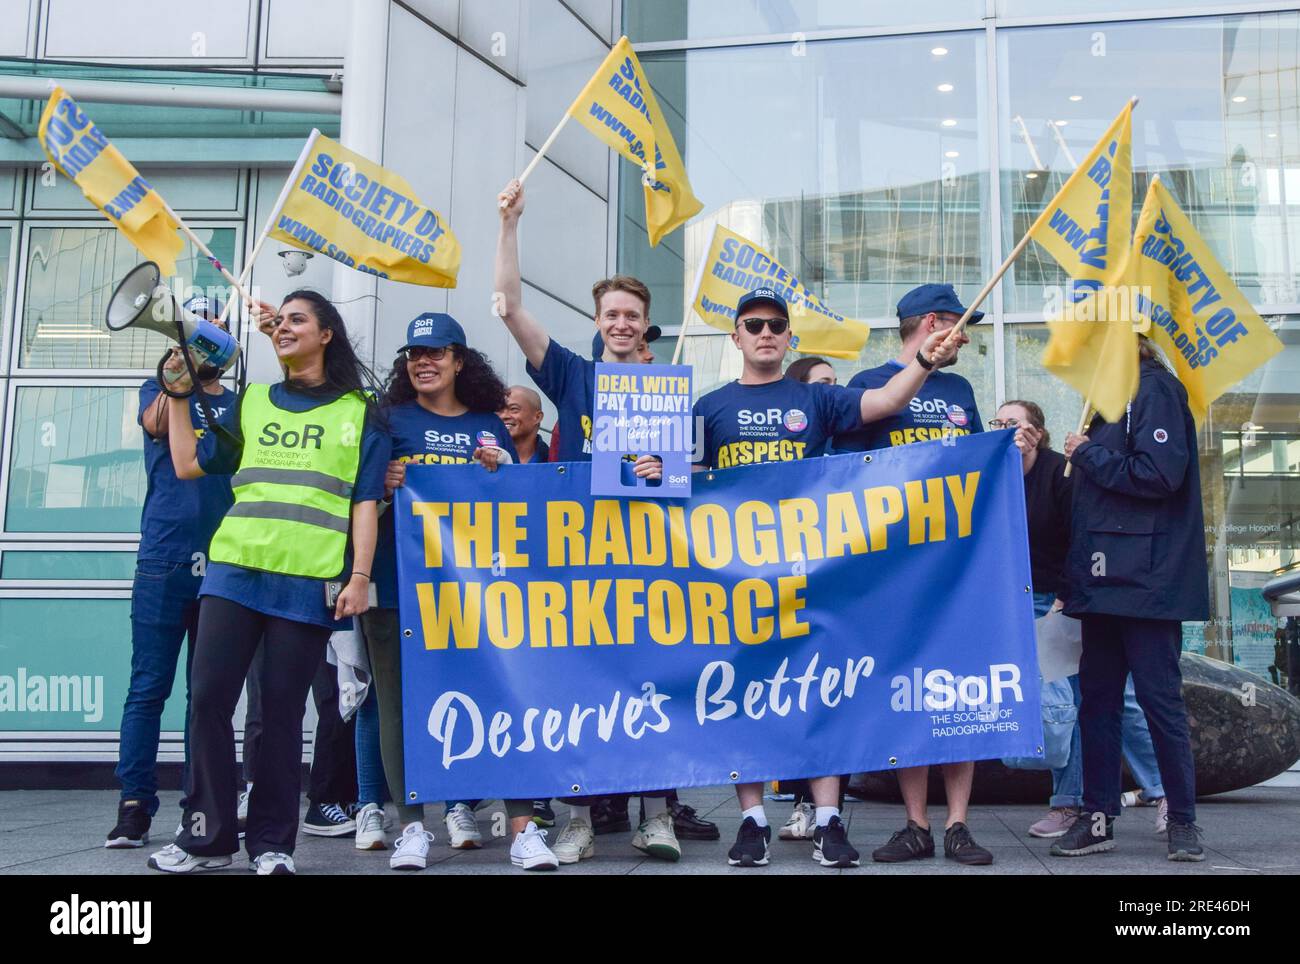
416,352
776,325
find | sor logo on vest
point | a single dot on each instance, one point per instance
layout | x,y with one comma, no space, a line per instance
310,436
795,420
957,415
433,437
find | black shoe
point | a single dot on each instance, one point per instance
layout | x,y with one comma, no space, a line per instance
750,848
960,846
328,820
831,847
690,826
132,829
1088,835
609,815
1184,843
911,843
543,815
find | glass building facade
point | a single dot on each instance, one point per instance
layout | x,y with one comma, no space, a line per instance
874,146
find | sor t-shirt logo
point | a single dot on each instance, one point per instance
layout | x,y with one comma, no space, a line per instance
957,415
795,420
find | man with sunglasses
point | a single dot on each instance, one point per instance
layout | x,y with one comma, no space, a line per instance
763,417
942,410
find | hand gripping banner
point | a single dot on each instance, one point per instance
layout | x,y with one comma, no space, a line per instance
855,612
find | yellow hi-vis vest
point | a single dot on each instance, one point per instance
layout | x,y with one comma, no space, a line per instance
293,490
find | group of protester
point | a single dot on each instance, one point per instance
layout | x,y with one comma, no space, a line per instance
301,542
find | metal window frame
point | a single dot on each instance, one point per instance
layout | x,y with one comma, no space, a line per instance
9,544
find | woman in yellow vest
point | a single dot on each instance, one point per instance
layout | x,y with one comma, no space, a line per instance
288,566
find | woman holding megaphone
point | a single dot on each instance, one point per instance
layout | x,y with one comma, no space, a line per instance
289,564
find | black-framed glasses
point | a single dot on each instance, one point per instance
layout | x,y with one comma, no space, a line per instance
416,352
1004,423
755,325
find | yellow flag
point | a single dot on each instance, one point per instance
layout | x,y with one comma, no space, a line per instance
75,146
367,217
735,265
1085,227
1197,314
619,107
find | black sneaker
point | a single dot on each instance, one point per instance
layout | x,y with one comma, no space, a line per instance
690,826
1184,843
132,829
609,815
911,843
1090,834
831,847
328,820
543,815
750,848
960,846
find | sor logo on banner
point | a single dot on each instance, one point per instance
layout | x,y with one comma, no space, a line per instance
795,420
957,415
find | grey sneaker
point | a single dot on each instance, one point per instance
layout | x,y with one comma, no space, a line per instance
1184,843
172,860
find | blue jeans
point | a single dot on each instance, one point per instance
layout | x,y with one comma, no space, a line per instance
1135,743
164,608
372,787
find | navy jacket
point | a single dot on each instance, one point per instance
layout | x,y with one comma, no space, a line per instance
1137,539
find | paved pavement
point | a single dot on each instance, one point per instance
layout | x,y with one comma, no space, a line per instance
1254,831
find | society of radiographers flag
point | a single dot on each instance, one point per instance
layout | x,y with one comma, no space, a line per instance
1197,314
367,217
76,147
1085,227
619,107
735,265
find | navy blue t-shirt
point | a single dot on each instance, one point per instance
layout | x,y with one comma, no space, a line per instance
179,515
943,406
569,381
299,598
421,438
542,451
780,421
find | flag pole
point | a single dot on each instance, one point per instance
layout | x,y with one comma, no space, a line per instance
198,243
695,296
1006,264
246,274
541,151
1083,423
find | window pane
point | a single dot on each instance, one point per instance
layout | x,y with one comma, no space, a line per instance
647,20
77,463
67,566
1223,138
71,275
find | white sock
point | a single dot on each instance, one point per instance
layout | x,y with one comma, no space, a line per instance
580,813
824,815
654,806
757,813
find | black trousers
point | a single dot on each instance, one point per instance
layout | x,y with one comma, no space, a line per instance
229,636
333,777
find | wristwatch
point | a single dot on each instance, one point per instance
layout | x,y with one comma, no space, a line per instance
924,362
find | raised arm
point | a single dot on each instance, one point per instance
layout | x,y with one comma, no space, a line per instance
183,445
894,395
507,300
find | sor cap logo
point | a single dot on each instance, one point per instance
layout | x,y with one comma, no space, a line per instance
957,415
795,420
764,293
486,439
1160,436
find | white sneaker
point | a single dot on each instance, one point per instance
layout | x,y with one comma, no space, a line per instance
575,842
1162,815
802,823
657,838
530,852
241,813
411,850
172,860
462,829
370,828
272,864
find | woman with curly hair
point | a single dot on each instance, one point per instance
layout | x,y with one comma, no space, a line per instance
441,403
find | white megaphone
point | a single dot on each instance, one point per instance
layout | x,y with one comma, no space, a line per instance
142,301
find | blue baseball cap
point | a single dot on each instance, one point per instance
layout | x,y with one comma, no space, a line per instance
598,343
762,296
434,329
203,307
933,297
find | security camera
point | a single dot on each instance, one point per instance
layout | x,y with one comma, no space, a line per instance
295,261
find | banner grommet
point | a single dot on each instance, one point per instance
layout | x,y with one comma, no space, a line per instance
735,775
576,788
893,761
407,633
866,458
412,795
560,469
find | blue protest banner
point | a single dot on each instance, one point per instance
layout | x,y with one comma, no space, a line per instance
857,612
642,410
